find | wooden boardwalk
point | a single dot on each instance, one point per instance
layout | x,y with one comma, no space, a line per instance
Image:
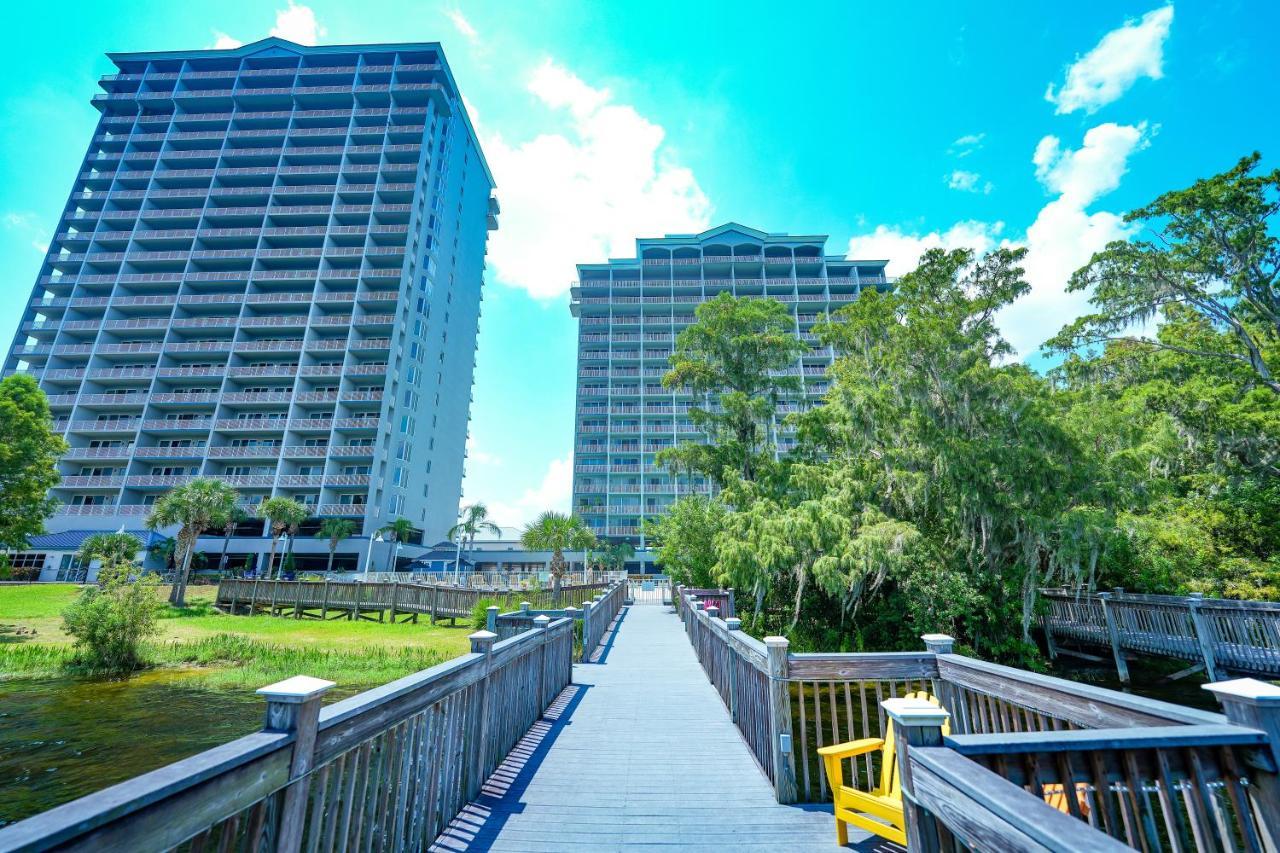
638,753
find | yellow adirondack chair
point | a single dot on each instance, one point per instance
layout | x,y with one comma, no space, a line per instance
878,811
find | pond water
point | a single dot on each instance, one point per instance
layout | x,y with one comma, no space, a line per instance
61,738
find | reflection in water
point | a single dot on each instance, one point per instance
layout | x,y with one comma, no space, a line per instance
61,738
1148,679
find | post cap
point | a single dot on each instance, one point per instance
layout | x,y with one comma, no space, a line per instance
938,643
542,621
1248,690
777,641
298,689
482,637
713,611
915,712
733,623
525,605
492,607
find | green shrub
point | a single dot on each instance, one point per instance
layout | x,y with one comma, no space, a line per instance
479,612
109,621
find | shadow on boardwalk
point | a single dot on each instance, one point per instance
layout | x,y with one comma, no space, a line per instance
637,754
601,654
482,819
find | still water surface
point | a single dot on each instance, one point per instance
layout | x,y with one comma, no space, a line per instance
61,738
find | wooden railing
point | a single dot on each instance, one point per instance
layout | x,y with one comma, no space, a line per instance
1219,635
488,580
595,616
408,601
383,770
1142,771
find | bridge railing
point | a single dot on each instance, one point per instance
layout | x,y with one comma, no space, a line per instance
1033,731
488,580
386,769
304,598
595,617
1221,634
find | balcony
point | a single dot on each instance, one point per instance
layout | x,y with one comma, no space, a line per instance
83,482
121,452
170,452
346,510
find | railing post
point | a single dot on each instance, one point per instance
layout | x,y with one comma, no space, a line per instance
482,644
395,595
939,644
784,760
731,607
491,618
915,723
587,645
540,623
297,602
1204,635
1256,704
435,598
293,706
324,602
713,611
733,623
1113,634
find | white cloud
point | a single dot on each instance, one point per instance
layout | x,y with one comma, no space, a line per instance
969,182
1062,238
1123,56
967,144
584,194
903,249
1064,235
298,23
25,225
295,22
463,26
479,456
554,492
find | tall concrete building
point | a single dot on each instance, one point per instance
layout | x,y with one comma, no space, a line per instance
629,312
268,271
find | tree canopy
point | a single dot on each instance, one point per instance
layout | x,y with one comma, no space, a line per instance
28,460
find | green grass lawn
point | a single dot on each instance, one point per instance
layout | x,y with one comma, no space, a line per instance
235,649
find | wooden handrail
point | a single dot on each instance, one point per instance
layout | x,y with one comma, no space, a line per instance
984,812
1077,740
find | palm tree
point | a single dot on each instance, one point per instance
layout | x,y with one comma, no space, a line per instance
615,556
557,532
195,507
395,531
474,520
335,530
113,550
284,514
238,516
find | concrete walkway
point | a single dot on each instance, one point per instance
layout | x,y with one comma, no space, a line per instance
638,754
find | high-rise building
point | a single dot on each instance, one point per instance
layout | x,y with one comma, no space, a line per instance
268,271
630,311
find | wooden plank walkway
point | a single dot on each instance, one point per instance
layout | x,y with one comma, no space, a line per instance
638,753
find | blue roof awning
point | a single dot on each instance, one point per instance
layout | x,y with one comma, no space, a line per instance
71,540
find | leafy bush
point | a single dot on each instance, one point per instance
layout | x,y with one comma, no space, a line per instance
110,621
479,612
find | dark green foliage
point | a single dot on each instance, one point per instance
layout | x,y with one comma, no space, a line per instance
110,621
29,454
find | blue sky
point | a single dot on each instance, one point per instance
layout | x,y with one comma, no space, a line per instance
953,124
